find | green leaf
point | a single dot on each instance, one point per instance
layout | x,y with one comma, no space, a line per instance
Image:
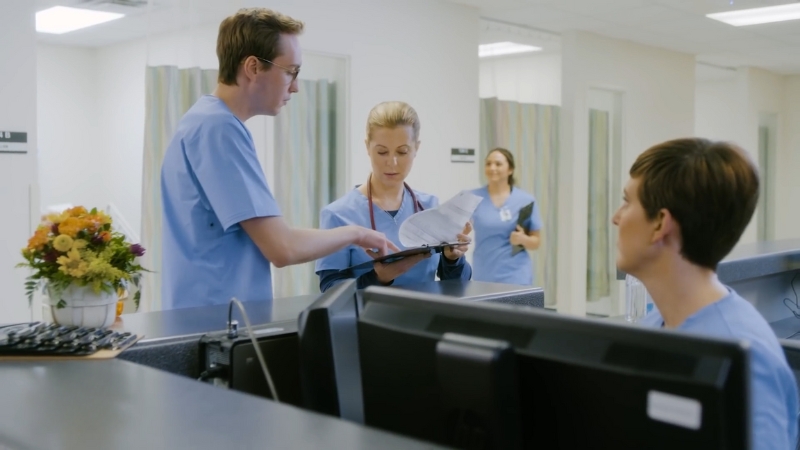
136,297
61,304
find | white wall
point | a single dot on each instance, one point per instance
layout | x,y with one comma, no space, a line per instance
527,78
715,109
657,89
395,51
787,189
68,128
731,109
18,174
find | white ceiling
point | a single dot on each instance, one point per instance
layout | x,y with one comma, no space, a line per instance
678,25
153,17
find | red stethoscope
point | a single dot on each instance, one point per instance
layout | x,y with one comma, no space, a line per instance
417,205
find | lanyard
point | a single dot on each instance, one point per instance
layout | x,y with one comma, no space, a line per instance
417,206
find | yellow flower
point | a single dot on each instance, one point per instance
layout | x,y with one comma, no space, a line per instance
57,218
62,243
79,244
72,264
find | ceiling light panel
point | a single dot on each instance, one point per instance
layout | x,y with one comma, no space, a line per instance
62,19
504,48
755,16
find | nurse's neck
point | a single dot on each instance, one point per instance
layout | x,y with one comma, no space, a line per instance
388,197
499,188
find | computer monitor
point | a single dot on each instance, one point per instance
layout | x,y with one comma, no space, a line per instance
483,375
329,372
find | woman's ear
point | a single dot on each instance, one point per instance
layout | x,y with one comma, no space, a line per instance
664,225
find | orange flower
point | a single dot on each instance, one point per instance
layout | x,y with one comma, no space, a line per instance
96,221
71,226
39,239
105,236
76,211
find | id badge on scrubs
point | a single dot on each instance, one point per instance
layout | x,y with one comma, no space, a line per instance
505,214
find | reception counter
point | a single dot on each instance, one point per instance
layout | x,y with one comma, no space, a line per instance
148,397
121,405
763,273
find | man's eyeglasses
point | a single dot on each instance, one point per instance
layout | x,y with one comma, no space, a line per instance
293,72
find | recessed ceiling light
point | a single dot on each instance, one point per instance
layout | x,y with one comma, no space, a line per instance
61,19
504,48
755,16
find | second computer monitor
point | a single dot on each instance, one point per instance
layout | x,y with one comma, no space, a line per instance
494,376
329,369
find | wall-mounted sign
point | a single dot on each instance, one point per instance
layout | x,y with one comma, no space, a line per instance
13,142
462,155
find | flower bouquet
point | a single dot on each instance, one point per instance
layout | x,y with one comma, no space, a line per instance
82,263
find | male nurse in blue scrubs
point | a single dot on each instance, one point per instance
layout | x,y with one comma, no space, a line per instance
221,225
685,206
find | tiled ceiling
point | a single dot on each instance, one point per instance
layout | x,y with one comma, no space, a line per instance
678,25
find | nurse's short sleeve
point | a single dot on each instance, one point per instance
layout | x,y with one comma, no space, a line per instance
337,260
223,159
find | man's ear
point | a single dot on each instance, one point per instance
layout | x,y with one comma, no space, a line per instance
250,67
664,226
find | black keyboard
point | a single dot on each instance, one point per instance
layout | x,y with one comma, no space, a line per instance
41,338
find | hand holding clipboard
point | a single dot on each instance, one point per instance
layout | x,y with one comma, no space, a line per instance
524,215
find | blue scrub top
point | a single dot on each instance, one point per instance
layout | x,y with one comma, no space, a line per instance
773,389
353,209
210,181
492,259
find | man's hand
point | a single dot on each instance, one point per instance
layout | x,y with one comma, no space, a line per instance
375,243
457,251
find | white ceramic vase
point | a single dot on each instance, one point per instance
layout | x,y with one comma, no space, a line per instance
83,307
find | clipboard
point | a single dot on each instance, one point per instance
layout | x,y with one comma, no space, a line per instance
524,215
397,256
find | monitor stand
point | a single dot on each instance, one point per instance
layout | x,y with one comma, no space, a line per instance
478,381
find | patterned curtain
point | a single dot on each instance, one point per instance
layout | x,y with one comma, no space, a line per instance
170,92
530,133
305,172
598,259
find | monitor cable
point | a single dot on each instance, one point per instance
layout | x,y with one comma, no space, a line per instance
233,332
794,306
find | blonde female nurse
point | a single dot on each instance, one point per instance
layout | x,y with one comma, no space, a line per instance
496,229
382,203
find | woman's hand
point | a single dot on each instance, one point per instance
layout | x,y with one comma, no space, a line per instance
518,237
457,251
387,272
